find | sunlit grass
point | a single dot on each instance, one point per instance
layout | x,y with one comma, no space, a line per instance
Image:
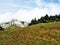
39,34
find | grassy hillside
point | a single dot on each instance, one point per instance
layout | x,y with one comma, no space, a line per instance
39,34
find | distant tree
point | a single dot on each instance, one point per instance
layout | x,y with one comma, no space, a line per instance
39,20
52,18
46,17
33,21
43,20
56,18
59,16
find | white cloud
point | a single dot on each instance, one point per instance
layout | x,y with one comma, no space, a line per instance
5,17
51,7
26,15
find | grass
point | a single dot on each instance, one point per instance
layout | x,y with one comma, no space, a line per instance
39,34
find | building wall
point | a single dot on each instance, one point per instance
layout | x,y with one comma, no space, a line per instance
15,22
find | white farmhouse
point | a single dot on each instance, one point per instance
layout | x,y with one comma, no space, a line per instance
14,22
4,25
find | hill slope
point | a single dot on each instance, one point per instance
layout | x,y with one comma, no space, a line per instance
39,34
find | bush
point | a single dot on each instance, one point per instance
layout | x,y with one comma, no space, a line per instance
1,28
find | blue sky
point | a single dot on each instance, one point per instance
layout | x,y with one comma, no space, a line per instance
13,5
27,9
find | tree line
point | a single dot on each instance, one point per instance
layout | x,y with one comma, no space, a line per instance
45,19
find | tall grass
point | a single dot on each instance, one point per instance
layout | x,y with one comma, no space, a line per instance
39,34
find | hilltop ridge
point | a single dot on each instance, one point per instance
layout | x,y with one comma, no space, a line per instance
39,34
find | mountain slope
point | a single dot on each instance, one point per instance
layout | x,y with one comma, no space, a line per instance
39,34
